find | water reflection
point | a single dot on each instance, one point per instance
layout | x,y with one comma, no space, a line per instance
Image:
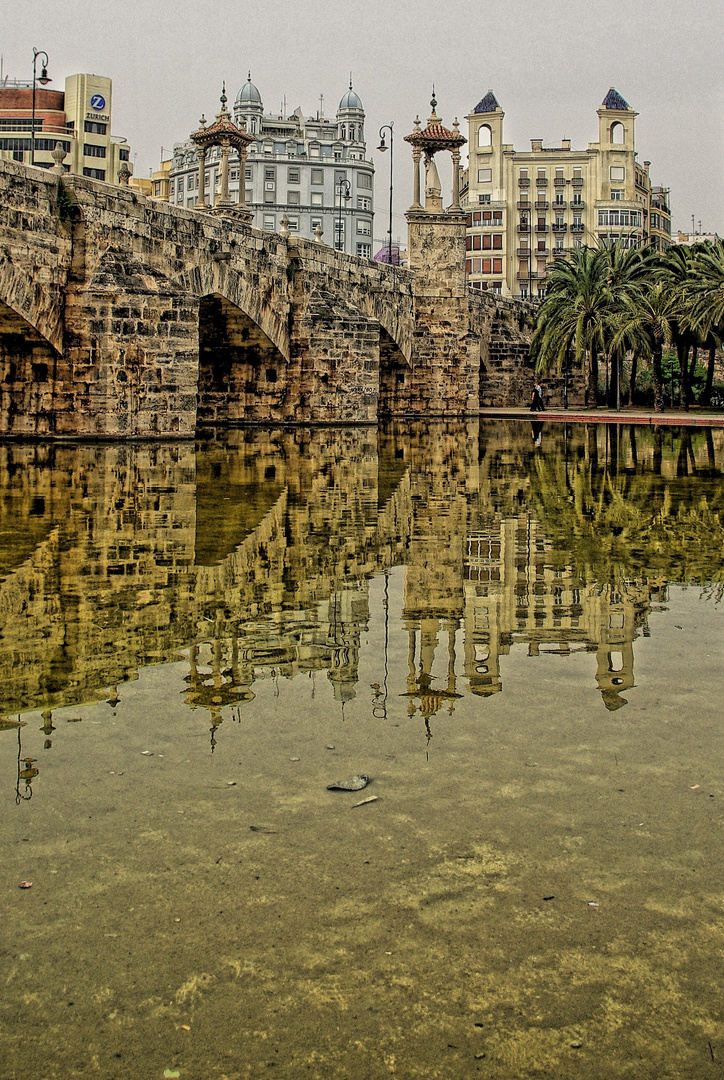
254,551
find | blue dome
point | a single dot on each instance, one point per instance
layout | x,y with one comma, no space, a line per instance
350,101
248,95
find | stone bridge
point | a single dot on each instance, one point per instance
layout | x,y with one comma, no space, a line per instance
124,317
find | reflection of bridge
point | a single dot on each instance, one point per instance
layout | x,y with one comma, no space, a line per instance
112,558
120,316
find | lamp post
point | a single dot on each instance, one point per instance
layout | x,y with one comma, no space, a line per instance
343,190
383,147
43,80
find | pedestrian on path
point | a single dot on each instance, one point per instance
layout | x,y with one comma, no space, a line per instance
536,399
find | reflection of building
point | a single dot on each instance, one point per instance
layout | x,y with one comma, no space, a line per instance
79,118
310,168
525,207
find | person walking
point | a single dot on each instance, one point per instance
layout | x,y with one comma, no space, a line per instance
536,399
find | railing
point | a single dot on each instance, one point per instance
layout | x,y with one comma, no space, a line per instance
577,181
524,204
560,228
541,181
578,228
524,276
541,228
560,181
523,181
559,204
523,253
541,253
577,204
541,205
523,228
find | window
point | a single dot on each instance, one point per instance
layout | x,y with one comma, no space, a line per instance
269,223
171,188
497,286
207,179
363,203
95,174
91,150
293,224
559,200
485,176
316,221
247,172
577,221
339,176
485,135
270,176
314,152
317,176
249,195
269,197
293,198
317,198
524,174
364,180
542,174
483,199
364,250
559,220
234,175
292,176
94,128
364,227
616,193
269,185
617,172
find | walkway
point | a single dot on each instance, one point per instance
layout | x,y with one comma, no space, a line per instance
696,417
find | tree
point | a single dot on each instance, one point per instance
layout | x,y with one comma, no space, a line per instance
703,301
645,323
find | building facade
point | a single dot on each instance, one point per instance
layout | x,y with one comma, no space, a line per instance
79,118
526,207
311,169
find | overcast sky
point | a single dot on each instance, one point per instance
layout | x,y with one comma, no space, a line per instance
550,63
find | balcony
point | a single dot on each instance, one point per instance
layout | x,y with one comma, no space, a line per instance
558,251
523,253
523,181
524,204
523,228
542,181
541,205
559,204
541,228
577,181
541,253
560,181
560,227
576,228
577,204
527,277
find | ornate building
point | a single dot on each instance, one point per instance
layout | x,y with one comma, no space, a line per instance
526,207
310,168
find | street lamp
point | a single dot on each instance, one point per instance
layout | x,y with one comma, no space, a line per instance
383,147
343,190
43,80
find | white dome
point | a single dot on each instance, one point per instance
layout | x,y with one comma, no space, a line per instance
248,95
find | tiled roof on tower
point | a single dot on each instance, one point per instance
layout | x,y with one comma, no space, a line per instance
613,100
488,104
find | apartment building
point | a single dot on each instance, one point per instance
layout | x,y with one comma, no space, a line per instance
527,207
312,169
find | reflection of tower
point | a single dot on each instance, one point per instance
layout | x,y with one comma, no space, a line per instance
348,611
420,677
219,688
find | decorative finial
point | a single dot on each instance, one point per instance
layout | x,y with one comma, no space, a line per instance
433,101
248,76
350,80
202,121
456,125
223,99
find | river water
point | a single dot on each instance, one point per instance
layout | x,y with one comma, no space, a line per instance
515,632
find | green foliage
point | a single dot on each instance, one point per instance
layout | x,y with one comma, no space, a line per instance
66,204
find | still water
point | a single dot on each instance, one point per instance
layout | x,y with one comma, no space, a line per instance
515,633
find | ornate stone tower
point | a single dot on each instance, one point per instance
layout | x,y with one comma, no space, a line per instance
444,380
225,135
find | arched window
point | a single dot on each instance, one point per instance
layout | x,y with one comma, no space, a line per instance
485,135
617,133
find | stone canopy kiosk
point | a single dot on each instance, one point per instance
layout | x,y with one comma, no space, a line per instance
225,134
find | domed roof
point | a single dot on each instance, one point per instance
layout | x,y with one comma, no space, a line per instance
350,100
248,95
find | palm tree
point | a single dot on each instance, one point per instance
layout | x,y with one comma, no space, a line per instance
573,315
630,273
704,301
645,323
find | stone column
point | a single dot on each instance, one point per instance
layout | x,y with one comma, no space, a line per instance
242,179
201,197
223,196
456,179
416,155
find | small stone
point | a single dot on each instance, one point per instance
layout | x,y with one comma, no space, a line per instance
295,759
329,747
231,783
25,885
352,783
577,1045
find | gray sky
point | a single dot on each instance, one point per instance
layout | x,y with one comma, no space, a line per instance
550,64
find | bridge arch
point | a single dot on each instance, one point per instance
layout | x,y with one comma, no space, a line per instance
395,376
28,371
243,375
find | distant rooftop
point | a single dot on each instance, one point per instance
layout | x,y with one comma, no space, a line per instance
613,100
488,104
